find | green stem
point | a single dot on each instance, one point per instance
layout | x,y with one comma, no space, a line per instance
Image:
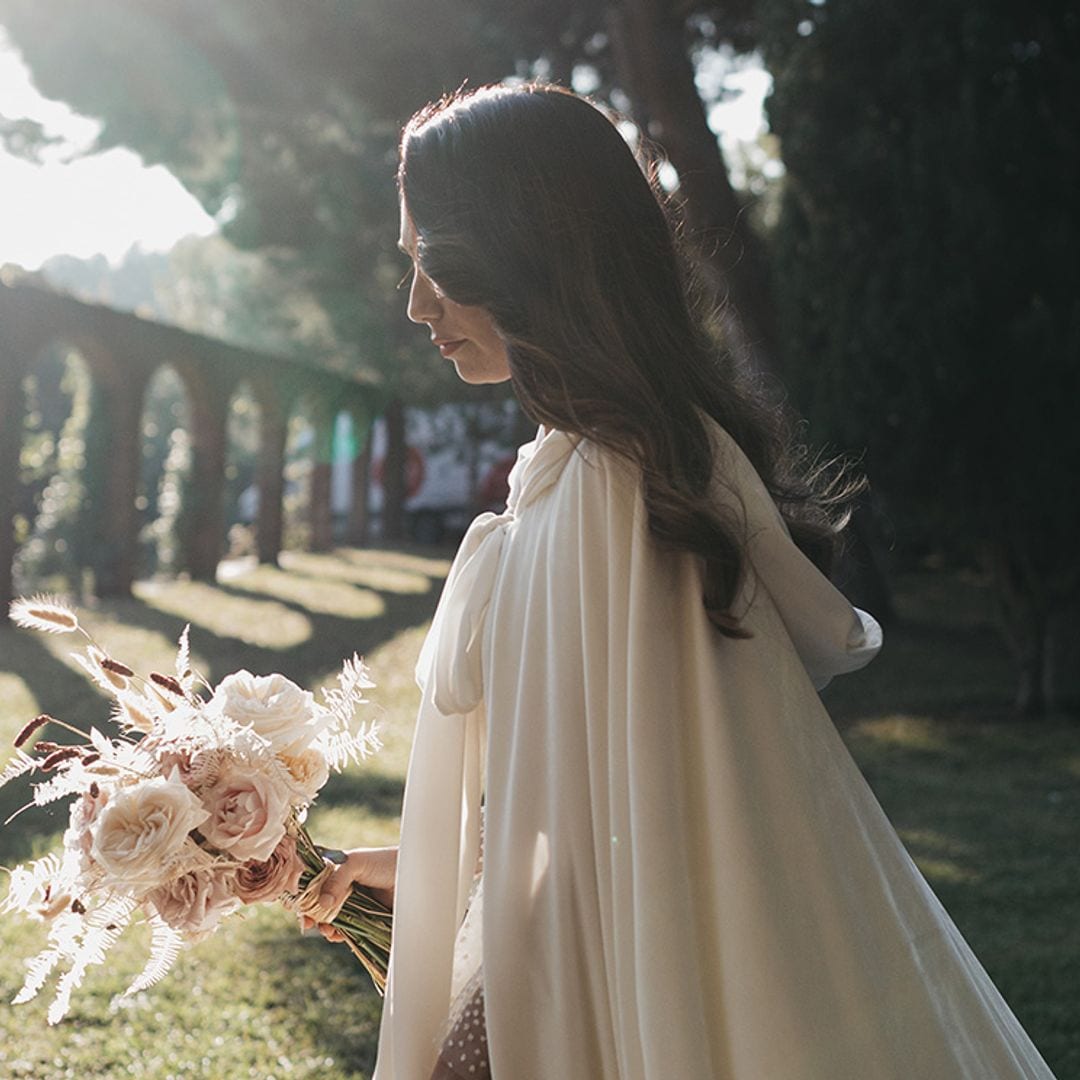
365,923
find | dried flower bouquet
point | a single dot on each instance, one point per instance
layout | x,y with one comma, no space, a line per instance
195,809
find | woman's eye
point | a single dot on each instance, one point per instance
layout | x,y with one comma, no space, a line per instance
405,280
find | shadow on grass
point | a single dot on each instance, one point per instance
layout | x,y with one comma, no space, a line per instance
924,667
307,661
65,693
341,1010
377,792
61,692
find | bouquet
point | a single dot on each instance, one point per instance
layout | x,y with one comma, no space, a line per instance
195,809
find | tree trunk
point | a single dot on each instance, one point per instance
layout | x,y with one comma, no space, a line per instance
393,478
357,531
862,573
320,509
656,71
1025,624
1061,673
269,527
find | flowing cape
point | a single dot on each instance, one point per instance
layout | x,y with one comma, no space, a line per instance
685,873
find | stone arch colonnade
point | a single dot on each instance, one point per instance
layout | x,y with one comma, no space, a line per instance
122,352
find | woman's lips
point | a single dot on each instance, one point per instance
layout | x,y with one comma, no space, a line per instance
448,348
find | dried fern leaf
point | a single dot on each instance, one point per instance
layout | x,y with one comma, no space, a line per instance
19,765
165,946
38,969
28,880
184,675
59,787
341,747
102,927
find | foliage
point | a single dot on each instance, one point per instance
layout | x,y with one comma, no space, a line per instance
54,490
165,469
926,260
282,120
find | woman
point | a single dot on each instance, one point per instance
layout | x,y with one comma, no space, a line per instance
684,874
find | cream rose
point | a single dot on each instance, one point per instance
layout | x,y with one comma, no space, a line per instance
141,828
272,706
308,770
270,879
196,901
247,812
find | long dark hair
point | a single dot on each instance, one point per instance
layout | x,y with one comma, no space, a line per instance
528,202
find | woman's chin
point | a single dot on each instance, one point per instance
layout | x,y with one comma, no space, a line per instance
479,374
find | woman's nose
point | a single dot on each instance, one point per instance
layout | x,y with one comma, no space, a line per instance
424,303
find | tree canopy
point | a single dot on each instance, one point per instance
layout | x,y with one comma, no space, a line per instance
924,267
929,284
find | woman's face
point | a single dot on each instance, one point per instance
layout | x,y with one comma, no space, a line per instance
464,334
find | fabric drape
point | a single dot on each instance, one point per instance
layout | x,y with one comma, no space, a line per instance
685,873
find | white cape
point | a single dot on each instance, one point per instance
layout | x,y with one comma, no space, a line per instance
685,873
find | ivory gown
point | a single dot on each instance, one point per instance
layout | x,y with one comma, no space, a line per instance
685,875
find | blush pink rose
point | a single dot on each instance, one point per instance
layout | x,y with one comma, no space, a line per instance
248,810
270,879
197,901
79,837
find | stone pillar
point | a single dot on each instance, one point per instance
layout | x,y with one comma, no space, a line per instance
269,526
393,474
204,531
11,426
357,527
322,522
114,569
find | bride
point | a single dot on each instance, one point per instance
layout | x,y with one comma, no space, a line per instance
633,845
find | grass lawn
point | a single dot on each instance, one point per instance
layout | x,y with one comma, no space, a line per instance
986,803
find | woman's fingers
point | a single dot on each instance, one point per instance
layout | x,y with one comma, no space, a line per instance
331,933
335,891
374,868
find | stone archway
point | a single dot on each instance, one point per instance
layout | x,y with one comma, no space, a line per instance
53,511
164,471
123,351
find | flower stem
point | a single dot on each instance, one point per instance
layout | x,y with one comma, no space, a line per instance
365,923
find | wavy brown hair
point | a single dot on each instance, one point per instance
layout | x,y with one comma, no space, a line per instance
528,202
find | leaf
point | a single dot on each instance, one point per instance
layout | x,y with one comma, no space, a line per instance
102,928
96,674
342,746
27,881
38,970
184,674
165,946
60,786
19,765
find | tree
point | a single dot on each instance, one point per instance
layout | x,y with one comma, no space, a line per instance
930,288
282,120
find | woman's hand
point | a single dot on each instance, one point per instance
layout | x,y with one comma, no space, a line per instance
373,868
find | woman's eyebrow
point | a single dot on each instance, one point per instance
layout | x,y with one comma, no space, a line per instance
403,249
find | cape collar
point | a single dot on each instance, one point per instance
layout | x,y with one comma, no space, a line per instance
539,464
